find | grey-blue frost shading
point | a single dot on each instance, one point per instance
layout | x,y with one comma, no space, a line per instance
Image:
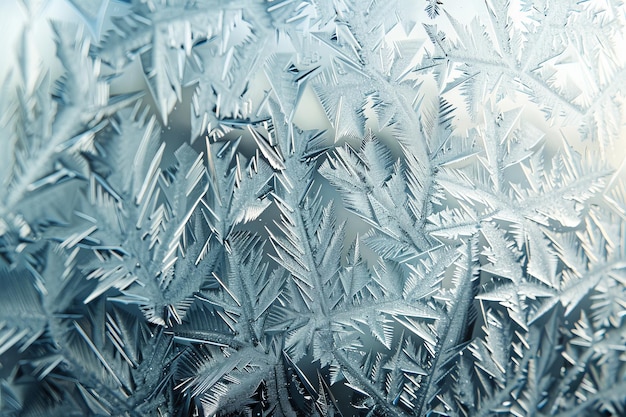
314,208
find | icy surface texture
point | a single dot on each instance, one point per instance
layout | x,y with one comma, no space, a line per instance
314,208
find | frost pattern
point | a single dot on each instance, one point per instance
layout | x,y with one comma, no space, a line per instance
448,239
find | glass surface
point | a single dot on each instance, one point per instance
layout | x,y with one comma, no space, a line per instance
312,208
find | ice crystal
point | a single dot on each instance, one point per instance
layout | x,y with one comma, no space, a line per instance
314,208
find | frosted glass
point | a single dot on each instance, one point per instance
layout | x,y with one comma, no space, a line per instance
312,208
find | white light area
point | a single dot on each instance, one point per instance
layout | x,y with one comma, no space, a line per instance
32,19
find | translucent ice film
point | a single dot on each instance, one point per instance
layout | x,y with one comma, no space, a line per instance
296,208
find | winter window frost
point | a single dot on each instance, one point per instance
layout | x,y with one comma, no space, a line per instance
313,208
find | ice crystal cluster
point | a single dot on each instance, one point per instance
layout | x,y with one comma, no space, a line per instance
314,208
